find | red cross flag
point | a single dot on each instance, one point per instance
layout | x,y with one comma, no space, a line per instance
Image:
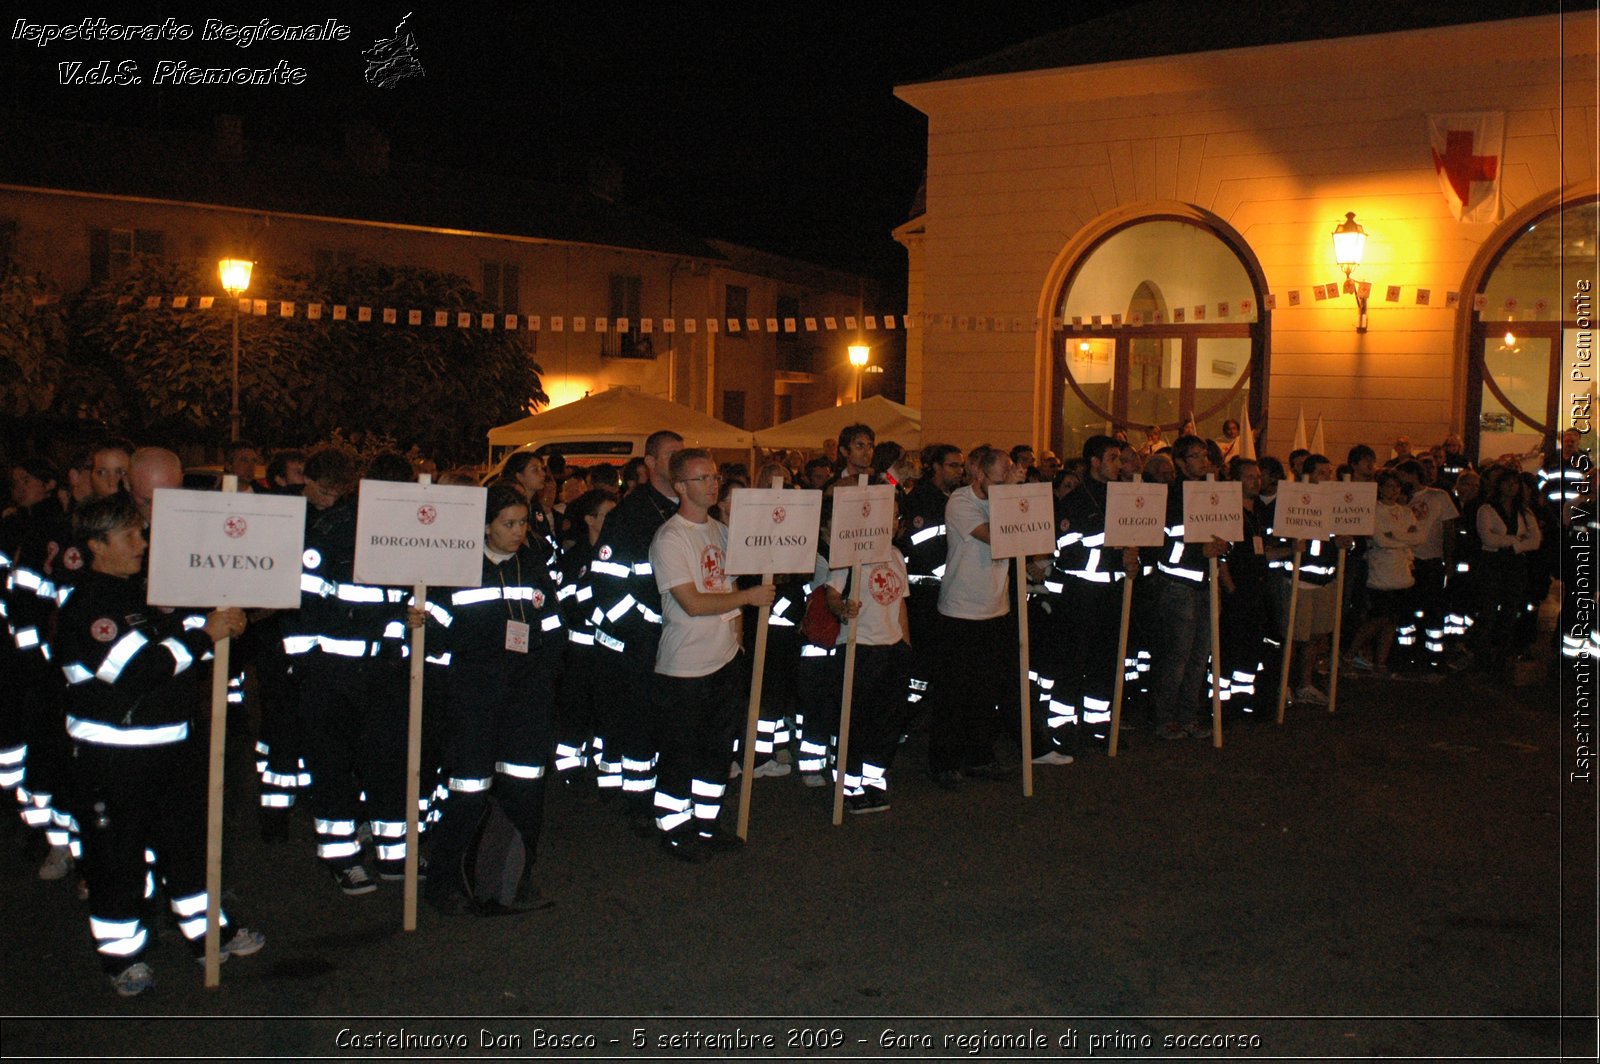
1466,156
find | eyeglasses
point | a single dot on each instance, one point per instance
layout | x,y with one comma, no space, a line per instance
713,477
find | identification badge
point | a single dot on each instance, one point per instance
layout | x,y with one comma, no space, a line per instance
517,636
1257,546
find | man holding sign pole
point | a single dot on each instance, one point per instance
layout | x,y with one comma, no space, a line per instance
1183,641
973,666
700,676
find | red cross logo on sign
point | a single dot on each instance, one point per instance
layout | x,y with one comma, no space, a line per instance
1022,505
1305,500
1348,497
1138,502
234,527
427,515
866,509
104,630
778,514
1213,498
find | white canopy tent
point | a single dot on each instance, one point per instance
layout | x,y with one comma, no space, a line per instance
889,420
620,412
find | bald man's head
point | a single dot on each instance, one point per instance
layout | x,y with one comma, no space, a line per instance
152,468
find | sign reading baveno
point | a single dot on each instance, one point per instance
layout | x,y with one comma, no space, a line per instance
419,534
862,528
1022,520
771,530
220,549
1136,514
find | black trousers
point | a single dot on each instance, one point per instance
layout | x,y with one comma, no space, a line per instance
976,672
697,719
139,798
355,716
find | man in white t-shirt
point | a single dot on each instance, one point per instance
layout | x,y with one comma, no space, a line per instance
700,676
1436,513
974,602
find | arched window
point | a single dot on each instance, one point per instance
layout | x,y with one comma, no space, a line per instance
1160,321
1532,347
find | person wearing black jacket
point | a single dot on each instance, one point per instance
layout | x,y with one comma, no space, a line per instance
134,684
506,640
628,625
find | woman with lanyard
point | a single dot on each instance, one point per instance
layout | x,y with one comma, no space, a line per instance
505,640
1509,534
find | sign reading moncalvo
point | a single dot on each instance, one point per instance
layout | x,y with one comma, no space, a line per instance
771,530
862,528
1022,520
419,534
219,549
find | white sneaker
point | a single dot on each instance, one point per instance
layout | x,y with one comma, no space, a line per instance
734,770
243,943
1310,695
133,980
57,863
1054,757
813,779
771,768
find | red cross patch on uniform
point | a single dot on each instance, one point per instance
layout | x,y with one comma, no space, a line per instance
917,522
605,552
538,598
72,558
885,586
104,630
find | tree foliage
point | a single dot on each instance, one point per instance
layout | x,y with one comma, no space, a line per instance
440,389
32,346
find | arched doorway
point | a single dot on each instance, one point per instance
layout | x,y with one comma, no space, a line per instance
1161,320
1530,353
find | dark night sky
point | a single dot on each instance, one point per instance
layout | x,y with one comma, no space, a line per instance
773,126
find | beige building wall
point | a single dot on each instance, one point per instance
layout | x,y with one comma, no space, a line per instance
1274,144
556,278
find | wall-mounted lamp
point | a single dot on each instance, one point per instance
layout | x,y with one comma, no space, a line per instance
1349,241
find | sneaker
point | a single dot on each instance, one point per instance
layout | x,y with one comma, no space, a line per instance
57,863
718,840
1172,730
813,779
771,768
1310,695
133,980
1361,663
243,943
1054,757
354,880
396,873
686,846
869,801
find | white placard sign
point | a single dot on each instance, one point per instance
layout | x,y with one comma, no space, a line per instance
1301,511
419,534
219,549
1136,514
1354,507
862,529
771,530
1212,508
1022,520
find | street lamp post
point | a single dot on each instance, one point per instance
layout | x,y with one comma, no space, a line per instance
858,358
235,279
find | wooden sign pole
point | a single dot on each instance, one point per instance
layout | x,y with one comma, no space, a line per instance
219,743
1216,650
1338,621
419,593
847,698
1288,636
1122,654
1022,665
747,777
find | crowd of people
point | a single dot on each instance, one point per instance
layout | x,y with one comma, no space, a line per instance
607,649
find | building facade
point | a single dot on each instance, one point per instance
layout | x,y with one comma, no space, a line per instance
1161,226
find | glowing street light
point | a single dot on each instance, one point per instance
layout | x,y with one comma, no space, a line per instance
858,358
